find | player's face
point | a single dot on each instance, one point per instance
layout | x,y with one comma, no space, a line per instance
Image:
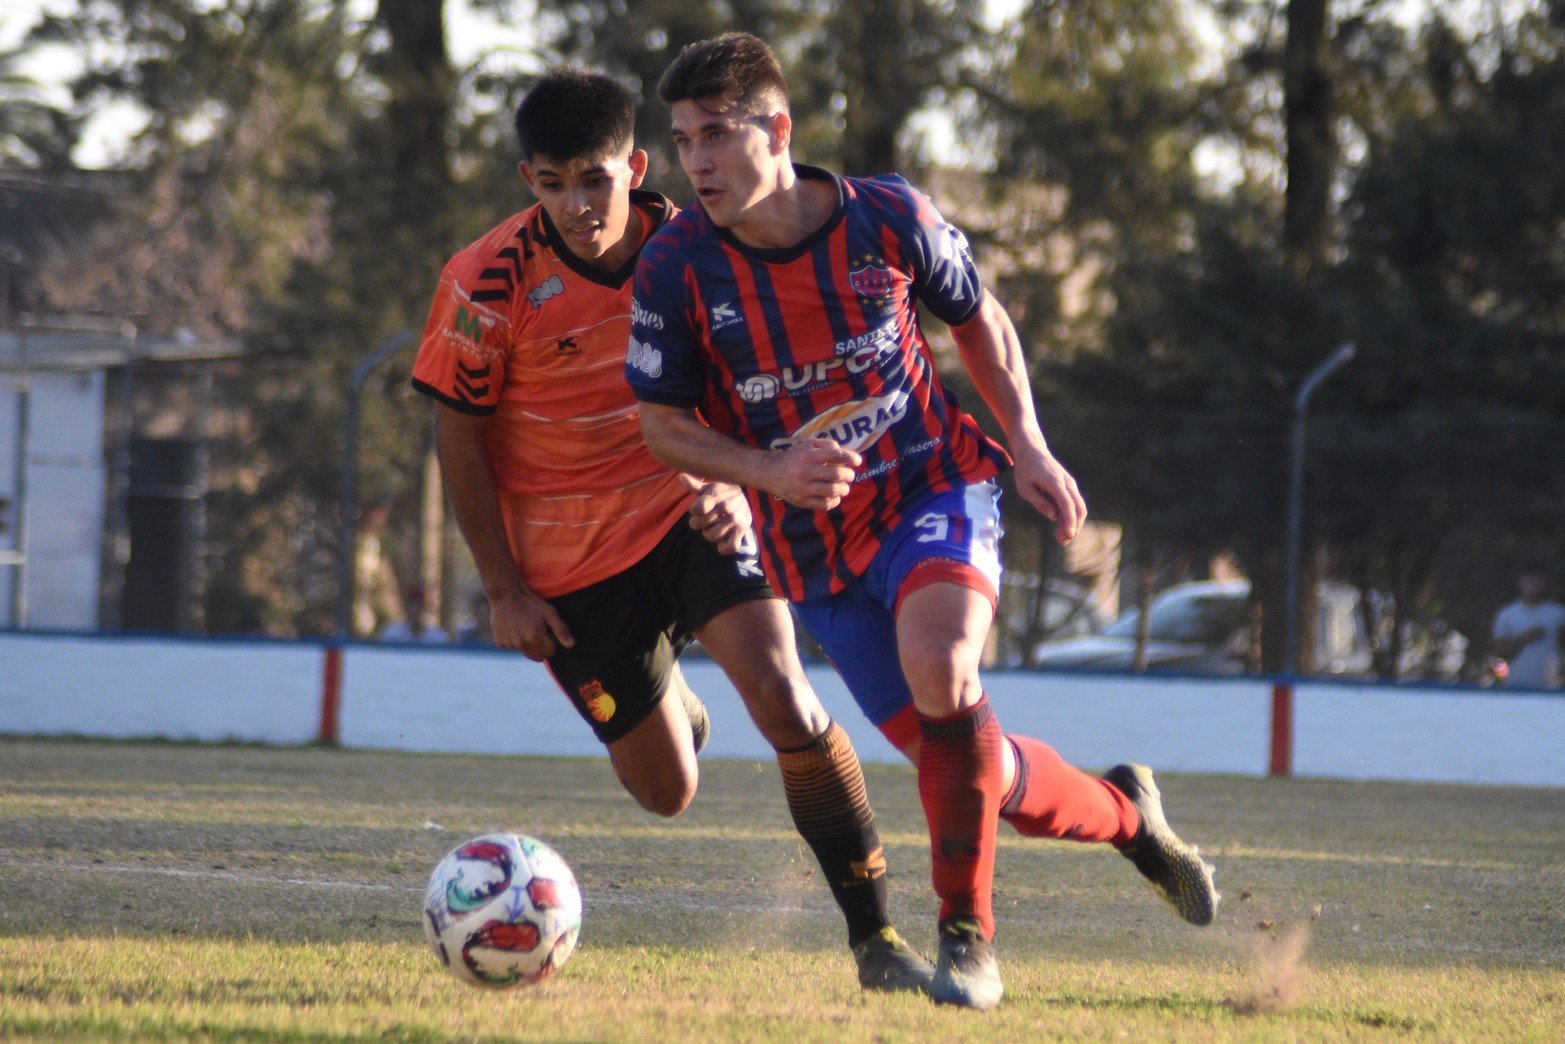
731,158
589,202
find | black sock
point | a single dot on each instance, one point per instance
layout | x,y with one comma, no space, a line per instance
824,785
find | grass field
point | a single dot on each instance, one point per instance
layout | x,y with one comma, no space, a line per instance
179,892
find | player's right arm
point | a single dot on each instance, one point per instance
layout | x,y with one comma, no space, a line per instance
519,617
665,369
814,473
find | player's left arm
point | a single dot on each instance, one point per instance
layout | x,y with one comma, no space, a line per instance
992,352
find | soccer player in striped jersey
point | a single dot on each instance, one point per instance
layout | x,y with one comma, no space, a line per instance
777,345
597,559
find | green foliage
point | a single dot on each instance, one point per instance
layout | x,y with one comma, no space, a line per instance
306,166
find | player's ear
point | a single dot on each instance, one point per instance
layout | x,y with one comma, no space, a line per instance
782,132
638,167
525,169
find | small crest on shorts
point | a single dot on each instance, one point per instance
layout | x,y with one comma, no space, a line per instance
599,703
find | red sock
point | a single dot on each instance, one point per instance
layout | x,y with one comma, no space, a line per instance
1053,799
959,783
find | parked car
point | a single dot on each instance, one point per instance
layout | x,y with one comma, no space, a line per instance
1196,627
1202,628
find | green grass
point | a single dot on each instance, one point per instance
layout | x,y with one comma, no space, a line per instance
239,893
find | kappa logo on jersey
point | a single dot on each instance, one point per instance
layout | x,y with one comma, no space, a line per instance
870,278
566,346
554,286
645,358
853,425
724,315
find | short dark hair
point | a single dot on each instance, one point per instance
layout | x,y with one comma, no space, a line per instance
735,70
573,114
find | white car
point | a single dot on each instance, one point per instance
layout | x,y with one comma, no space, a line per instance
1196,628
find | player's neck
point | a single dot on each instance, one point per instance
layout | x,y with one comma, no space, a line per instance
788,214
625,248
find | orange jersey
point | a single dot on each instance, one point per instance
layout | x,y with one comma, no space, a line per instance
527,333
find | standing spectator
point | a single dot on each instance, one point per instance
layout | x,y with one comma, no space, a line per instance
1527,635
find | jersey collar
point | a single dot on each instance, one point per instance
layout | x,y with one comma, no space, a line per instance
782,255
654,207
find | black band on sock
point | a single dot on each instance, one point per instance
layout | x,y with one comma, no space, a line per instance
824,785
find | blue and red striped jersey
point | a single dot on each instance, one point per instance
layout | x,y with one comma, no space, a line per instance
821,339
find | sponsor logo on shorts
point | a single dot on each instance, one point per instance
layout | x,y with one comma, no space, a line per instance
599,703
854,424
645,358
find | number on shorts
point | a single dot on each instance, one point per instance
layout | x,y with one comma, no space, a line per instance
934,527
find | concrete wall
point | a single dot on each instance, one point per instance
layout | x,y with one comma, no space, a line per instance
483,701
63,498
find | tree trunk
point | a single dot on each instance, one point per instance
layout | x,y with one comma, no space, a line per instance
1312,145
419,77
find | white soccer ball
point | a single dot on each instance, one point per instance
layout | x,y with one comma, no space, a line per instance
501,910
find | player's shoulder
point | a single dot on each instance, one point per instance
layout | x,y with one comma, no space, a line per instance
493,264
683,235
891,194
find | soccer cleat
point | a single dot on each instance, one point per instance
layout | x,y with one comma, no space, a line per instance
1174,868
889,965
966,973
695,710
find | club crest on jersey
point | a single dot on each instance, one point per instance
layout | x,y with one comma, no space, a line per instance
725,314
870,278
853,425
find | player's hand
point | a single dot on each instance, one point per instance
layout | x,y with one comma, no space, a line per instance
523,621
1044,483
719,512
815,473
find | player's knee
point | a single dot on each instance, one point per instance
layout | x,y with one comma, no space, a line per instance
785,709
666,800
665,794
940,674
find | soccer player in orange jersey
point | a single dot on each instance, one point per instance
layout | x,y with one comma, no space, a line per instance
597,559
786,308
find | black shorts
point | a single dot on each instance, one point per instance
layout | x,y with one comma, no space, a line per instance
630,627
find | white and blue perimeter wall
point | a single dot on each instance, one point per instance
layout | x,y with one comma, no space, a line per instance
484,701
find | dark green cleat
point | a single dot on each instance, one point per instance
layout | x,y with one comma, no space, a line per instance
1174,868
887,964
967,973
